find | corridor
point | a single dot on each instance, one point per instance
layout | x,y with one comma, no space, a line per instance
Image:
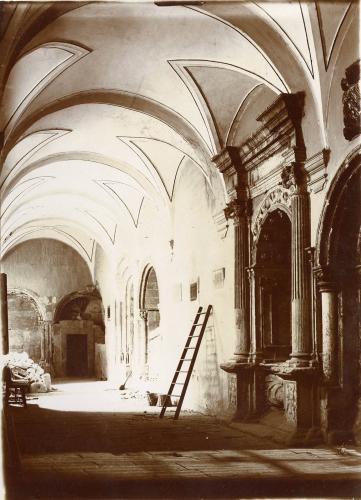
90,440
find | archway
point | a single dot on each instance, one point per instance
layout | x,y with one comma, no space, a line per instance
149,310
339,285
273,261
79,335
25,325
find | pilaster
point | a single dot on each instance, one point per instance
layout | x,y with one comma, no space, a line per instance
228,163
294,178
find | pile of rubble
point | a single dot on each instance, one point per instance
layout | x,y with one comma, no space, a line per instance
24,368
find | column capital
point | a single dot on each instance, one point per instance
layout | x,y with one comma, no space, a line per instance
236,209
294,178
143,313
325,283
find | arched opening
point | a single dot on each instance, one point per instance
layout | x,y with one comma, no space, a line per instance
340,259
273,261
78,335
25,322
149,308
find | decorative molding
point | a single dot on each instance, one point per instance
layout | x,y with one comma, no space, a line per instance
279,197
294,178
290,401
75,52
274,388
351,101
316,168
229,164
280,130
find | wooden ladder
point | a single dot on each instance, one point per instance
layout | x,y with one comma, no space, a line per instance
187,358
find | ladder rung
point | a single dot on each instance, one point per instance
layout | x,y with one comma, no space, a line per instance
188,360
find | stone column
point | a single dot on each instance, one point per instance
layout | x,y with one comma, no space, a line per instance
237,210
294,179
143,313
229,164
329,307
4,313
255,285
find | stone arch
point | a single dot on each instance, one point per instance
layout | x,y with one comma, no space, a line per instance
325,232
149,313
278,198
26,318
87,294
338,270
35,297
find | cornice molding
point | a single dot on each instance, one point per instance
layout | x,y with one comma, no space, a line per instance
281,129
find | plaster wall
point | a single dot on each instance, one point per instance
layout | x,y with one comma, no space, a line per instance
184,247
47,267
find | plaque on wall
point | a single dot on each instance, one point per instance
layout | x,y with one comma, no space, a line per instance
193,291
218,277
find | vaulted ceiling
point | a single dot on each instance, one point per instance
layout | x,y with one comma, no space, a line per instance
102,104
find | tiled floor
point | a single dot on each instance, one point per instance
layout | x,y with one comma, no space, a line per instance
91,441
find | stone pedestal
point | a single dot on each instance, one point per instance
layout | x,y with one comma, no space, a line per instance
301,386
246,391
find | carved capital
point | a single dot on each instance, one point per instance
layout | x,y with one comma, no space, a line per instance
294,178
143,314
351,101
236,209
325,283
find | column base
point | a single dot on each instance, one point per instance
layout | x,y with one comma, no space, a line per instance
299,359
300,390
246,393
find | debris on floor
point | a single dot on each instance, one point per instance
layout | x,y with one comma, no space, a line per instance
24,368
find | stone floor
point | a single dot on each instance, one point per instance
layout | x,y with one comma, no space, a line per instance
89,440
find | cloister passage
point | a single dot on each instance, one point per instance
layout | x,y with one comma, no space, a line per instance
161,156
99,442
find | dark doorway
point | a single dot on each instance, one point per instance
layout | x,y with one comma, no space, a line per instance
274,294
77,355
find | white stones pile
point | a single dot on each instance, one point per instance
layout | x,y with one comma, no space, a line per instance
24,368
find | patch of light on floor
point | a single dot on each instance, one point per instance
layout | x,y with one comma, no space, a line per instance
91,396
